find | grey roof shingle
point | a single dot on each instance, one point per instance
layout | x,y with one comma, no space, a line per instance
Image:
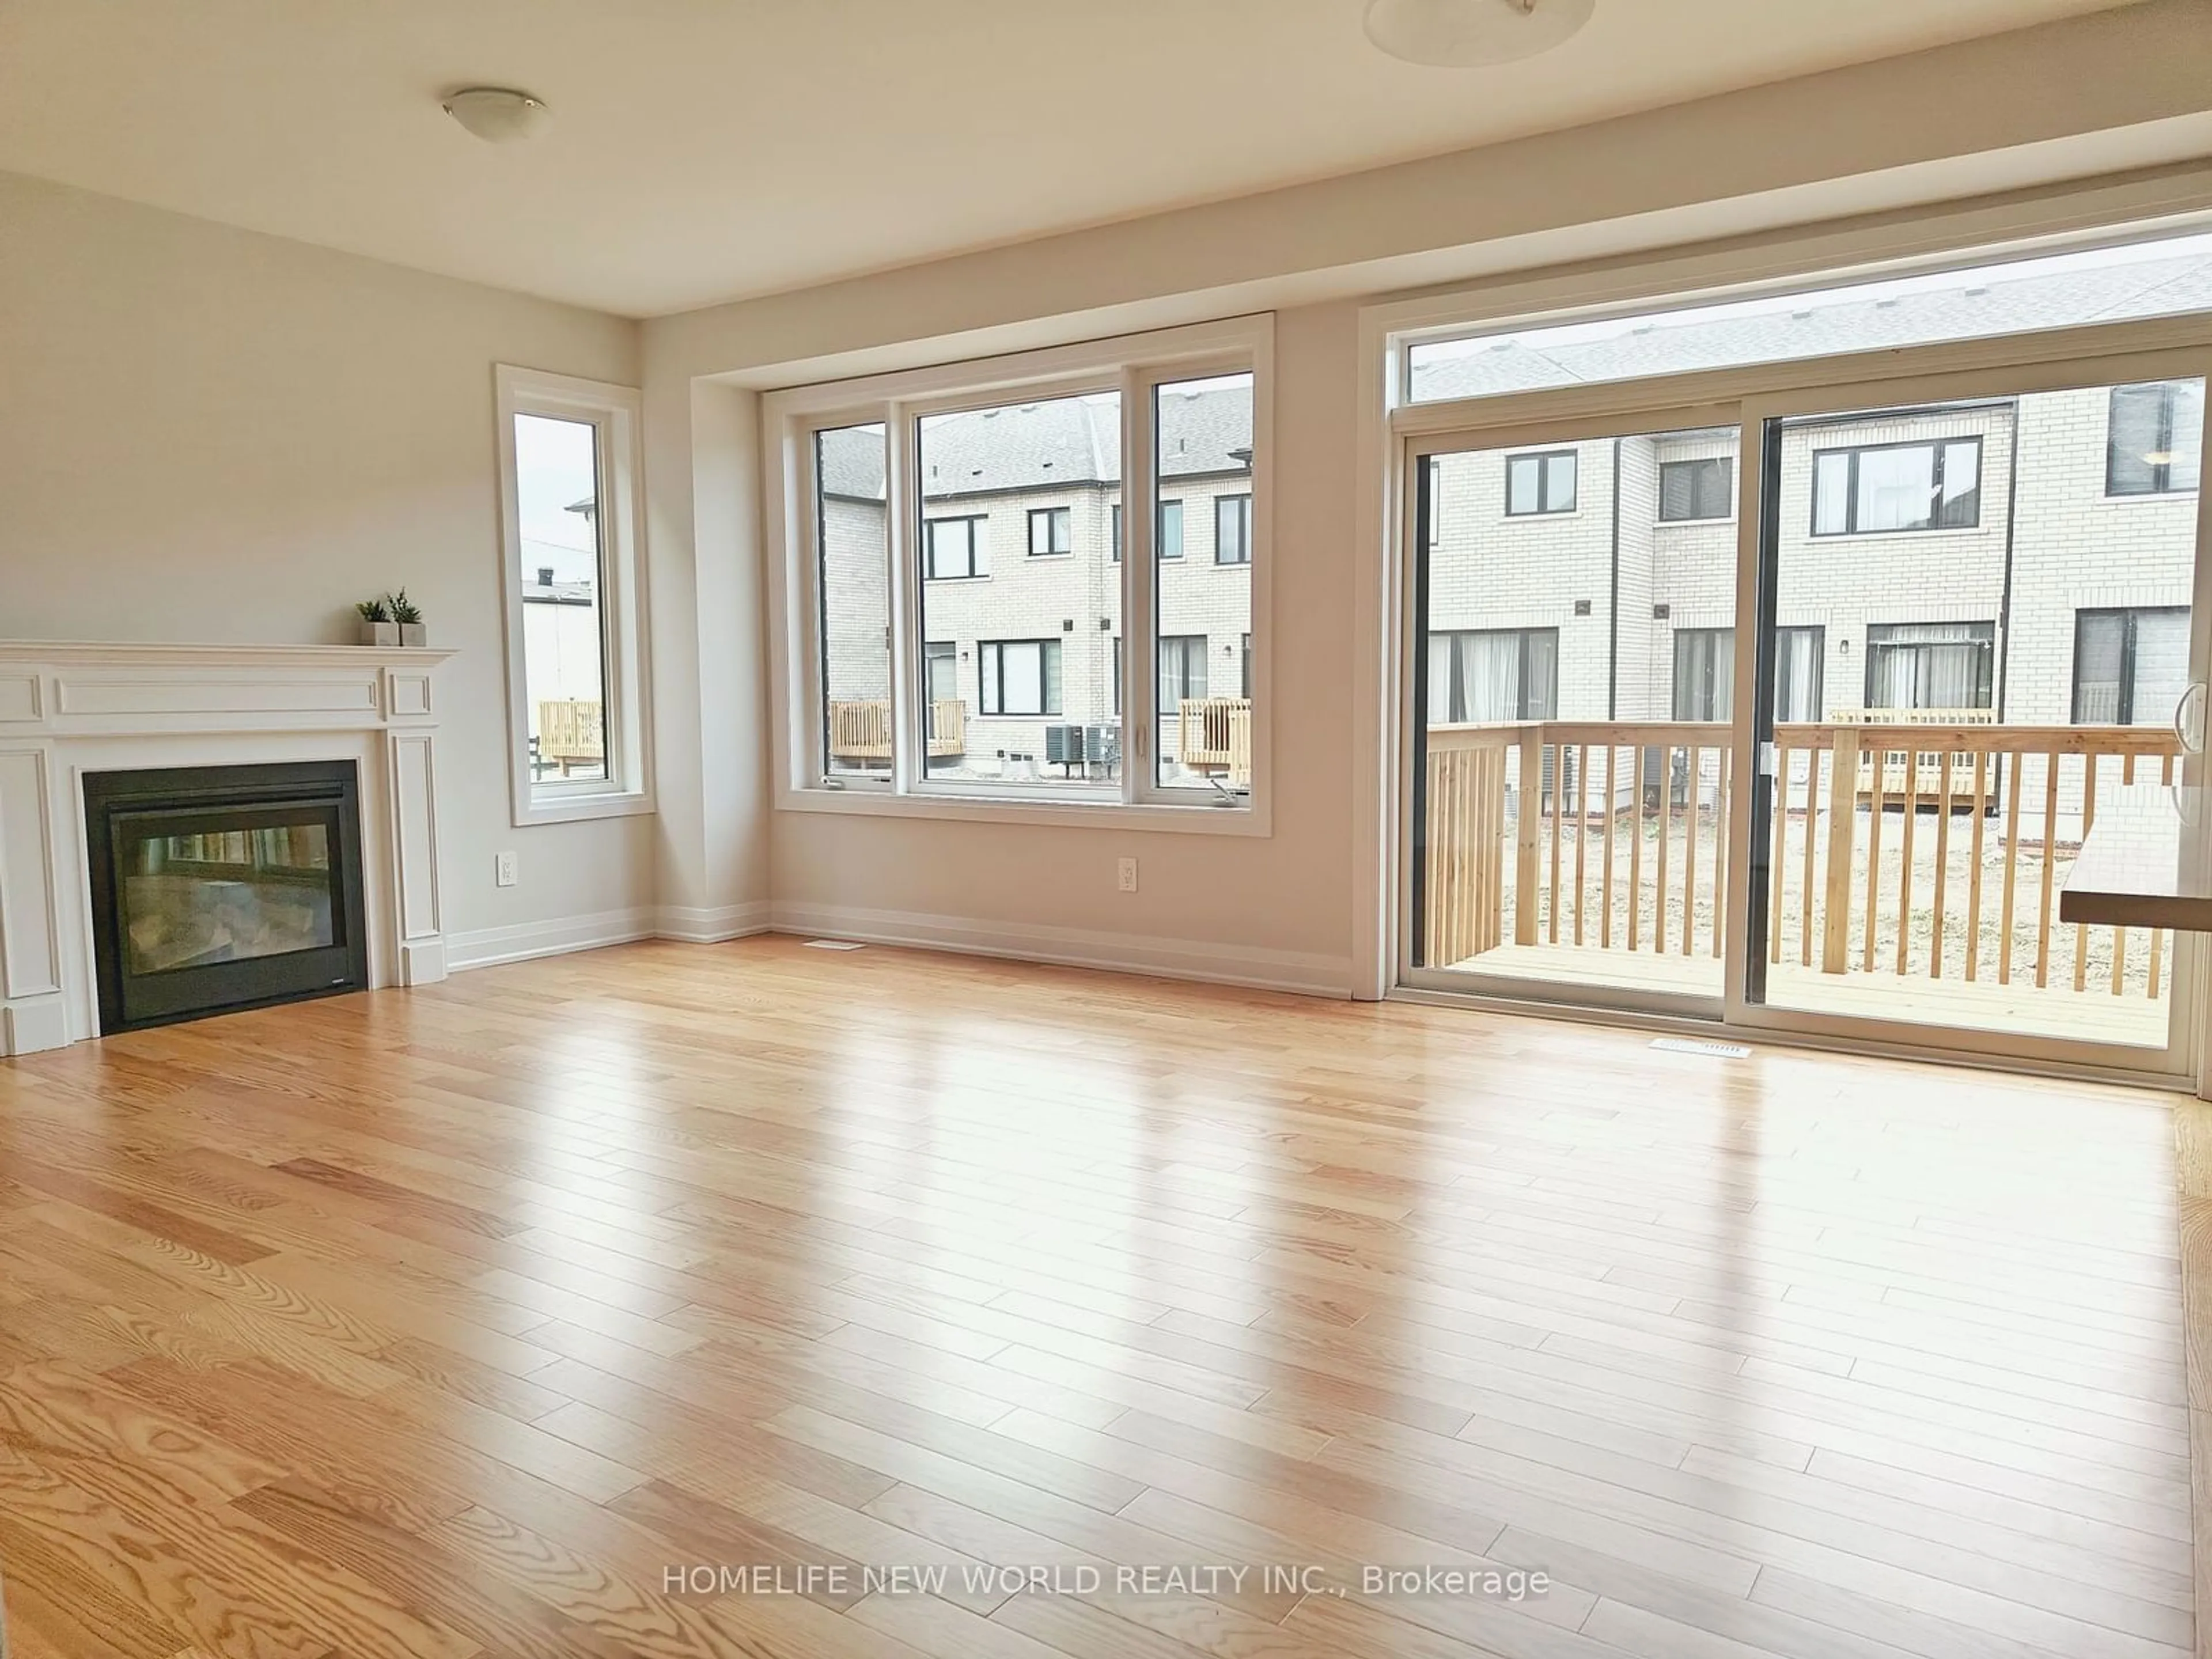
2000,306
1032,446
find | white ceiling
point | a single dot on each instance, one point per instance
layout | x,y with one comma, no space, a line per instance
705,149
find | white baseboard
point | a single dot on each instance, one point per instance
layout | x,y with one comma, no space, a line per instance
1309,974
706,924
488,947
1072,947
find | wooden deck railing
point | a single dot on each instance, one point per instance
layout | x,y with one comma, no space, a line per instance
1216,735
862,730
1943,859
570,734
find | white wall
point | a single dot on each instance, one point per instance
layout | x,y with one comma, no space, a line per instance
211,435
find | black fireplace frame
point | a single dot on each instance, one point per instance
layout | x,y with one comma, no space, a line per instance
114,802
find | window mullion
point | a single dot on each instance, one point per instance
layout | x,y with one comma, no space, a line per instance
1140,576
903,536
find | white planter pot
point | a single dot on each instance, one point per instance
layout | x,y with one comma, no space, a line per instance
379,632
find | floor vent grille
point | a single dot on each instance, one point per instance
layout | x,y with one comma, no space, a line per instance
833,944
1693,1045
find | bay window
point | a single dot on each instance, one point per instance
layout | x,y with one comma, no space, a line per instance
1081,675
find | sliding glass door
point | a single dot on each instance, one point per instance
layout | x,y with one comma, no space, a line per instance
1795,713
1998,579
1573,652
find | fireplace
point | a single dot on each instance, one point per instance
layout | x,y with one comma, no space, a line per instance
220,888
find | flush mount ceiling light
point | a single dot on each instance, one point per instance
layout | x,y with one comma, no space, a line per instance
1465,33
498,115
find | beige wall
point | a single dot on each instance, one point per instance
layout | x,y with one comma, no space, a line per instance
2118,89
211,435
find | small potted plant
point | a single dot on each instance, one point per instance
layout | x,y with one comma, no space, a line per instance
409,615
377,627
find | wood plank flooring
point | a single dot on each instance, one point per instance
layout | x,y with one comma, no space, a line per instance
478,1320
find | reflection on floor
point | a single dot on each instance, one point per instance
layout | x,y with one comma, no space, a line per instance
2089,1016
449,1322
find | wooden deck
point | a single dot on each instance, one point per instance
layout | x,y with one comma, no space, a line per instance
2091,1016
444,1324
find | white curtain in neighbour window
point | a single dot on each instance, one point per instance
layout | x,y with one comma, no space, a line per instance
1895,676
1489,677
1797,674
1931,665
1831,485
1952,678
2187,443
1440,679
1897,488
1024,679
2100,655
2161,665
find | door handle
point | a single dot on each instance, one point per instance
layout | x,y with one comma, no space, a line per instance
2189,718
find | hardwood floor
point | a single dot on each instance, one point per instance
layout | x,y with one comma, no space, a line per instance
454,1322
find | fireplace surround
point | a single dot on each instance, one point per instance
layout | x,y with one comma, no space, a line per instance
70,712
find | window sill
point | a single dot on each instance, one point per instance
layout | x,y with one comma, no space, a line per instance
1707,524
1250,820
1945,534
2142,496
566,808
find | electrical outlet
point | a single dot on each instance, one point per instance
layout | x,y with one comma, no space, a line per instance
503,870
1126,875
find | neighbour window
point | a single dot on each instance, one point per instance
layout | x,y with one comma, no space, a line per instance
1117,532
953,548
1539,483
1479,675
1245,670
2155,438
1797,668
1051,531
1020,677
1704,673
2131,667
1167,539
1930,664
569,451
941,669
1891,487
1182,669
1696,489
1232,530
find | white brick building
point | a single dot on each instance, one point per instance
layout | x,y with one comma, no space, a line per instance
1021,547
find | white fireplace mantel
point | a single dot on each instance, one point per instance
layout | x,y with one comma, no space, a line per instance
69,709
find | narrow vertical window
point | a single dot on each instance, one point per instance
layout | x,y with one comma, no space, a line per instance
563,576
1202,433
849,536
575,701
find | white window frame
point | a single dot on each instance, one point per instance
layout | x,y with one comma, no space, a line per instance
614,412
1131,366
